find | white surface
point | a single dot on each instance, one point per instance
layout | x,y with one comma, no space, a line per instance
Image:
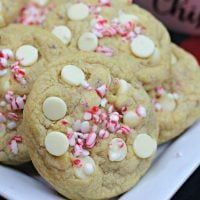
174,163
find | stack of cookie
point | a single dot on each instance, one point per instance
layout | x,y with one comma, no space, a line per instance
88,89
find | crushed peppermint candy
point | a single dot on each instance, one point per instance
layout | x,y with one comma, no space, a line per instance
6,64
13,106
18,73
97,123
105,3
109,52
104,28
34,14
13,144
16,102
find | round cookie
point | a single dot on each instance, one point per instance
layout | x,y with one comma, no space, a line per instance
8,10
177,101
92,135
118,30
25,53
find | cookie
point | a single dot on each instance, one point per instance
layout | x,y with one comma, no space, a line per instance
92,135
177,101
25,53
8,10
117,30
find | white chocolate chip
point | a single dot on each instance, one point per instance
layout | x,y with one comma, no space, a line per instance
56,143
72,75
63,33
117,150
125,18
167,103
142,46
131,119
88,42
144,146
123,87
78,11
86,169
41,2
27,55
54,108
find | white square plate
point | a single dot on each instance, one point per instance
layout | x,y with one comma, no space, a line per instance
174,163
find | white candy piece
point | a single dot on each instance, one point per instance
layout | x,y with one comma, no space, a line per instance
78,11
85,127
41,2
63,33
56,143
142,46
123,87
117,150
11,125
87,168
125,18
167,103
131,119
72,75
54,108
27,55
8,53
144,146
88,42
